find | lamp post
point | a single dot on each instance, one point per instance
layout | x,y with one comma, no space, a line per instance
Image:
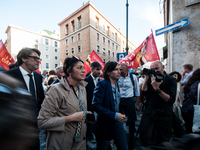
127,27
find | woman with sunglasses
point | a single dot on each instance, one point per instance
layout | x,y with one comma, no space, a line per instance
63,110
106,103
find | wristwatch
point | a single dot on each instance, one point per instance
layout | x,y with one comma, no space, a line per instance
158,91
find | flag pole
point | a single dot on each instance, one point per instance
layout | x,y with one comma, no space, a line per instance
127,27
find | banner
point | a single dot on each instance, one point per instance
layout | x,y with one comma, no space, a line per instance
5,57
91,58
146,52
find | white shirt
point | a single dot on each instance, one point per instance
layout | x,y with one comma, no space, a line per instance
96,80
126,86
27,78
141,80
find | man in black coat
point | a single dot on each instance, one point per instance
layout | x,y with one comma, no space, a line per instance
92,80
28,61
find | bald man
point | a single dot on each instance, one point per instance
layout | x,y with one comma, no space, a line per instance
158,114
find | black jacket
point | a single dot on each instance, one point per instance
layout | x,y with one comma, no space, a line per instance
16,73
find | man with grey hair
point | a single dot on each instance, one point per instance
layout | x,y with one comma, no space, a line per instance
60,73
28,61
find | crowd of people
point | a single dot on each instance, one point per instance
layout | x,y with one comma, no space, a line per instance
68,109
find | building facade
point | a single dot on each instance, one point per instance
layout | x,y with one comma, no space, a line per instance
46,41
86,30
182,45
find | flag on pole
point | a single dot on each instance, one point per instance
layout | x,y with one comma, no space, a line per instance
5,57
91,58
146,52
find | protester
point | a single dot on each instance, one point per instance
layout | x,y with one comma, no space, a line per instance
45,84
92,81
141,82
129,88
28,60
106,103
190,99
60,73
44,75
187,69
64,107
158,113
18,128
51,79
13,65
177,104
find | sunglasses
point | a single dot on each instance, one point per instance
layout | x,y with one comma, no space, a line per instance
74,58
36,58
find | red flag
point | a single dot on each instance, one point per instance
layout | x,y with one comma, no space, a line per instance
93,57
5,57
146,52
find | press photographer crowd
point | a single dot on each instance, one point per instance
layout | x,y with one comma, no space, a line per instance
66,110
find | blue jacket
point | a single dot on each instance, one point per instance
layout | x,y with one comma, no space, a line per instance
103,105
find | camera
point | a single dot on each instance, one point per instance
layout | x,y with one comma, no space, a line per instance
159,77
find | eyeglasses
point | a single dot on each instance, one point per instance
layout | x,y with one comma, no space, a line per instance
73,59
36,58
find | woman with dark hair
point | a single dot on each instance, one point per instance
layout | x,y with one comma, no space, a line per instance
106,103
190,99
177,103
63,110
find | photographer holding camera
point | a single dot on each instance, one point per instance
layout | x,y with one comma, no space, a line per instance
160,92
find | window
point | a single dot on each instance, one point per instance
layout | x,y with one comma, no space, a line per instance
67,52
72,39
46,41
108,52
36,40
113,54
104,60
79,36
116,37
108,42
108,31
97,22
56,50
56,44
103,28
116,47
72,26
79,49
66,41
98,49
72,50
112,35
104,40
47,65
47,49
36,46
79,22
56,65
113,46
123,49
98,36
104,51
56,58
66,29
47,56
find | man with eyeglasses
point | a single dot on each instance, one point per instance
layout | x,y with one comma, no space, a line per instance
28,60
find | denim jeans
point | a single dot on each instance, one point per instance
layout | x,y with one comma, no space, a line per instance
119,138
42,137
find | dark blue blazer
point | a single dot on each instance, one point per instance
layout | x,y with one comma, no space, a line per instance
89,89
103,105
16,73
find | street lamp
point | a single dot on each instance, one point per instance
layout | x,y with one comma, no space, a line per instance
127,27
